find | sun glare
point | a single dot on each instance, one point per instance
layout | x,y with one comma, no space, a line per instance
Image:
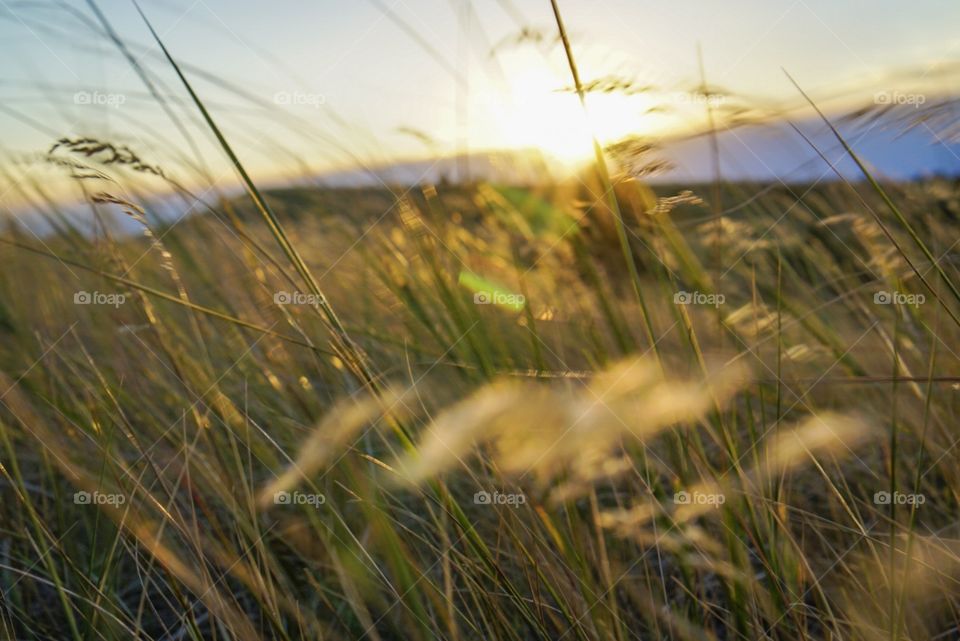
539,113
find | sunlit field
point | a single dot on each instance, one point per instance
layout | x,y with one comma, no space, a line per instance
545,388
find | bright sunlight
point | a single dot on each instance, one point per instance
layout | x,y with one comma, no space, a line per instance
540,110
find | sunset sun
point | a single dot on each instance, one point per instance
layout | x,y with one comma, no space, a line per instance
542,112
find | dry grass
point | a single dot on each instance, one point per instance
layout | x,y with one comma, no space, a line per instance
464,417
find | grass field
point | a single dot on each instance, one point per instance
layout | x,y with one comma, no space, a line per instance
589,409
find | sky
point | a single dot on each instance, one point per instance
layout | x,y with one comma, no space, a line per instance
301,87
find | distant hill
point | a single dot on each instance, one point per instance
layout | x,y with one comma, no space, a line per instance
899,143
513,167
890,144
890,141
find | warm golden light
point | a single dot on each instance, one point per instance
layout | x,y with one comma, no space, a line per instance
541,112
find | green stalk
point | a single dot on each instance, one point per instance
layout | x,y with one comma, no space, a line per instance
609,193
343,344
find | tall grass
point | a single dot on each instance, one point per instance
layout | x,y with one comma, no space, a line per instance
476,415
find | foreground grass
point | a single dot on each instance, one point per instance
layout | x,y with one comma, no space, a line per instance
816,397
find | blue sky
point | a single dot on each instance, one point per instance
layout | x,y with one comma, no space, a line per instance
350,73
